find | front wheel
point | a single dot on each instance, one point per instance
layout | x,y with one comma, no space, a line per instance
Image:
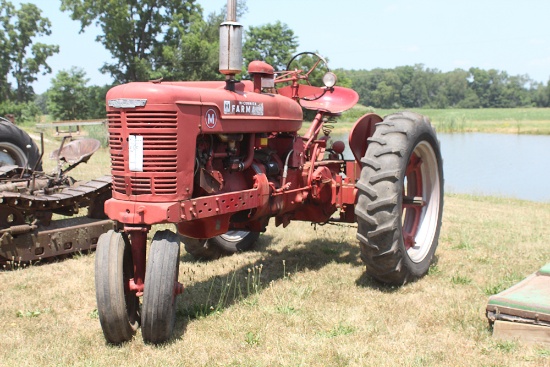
158,314
118,307
400,199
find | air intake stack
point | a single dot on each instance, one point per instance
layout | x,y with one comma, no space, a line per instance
231,44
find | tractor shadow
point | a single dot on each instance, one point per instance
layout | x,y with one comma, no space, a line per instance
243,282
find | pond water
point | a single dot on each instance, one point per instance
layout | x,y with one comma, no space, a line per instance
516,166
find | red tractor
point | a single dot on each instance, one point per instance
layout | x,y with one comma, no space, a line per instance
219,159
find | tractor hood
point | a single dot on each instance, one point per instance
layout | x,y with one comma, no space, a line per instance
220,110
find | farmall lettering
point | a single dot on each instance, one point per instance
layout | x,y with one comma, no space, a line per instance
243,108
245,163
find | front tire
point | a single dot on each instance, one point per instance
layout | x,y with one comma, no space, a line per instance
118,308
400,199
159,296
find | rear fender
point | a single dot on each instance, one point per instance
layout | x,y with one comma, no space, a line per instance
363,129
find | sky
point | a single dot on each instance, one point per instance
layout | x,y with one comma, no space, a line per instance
511,36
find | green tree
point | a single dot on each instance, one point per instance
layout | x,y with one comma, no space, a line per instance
6,31
456,86
20,56
68,97
192,55
343,79
541,95
386,95
96,101
423,87
515,92
41,101
192,52
272,43
25,111
134,31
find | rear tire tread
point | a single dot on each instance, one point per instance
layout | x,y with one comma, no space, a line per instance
378,209
9,133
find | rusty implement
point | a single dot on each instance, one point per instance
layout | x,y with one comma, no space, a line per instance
29,232
61,237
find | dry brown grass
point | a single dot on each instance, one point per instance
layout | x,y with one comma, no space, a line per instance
300,299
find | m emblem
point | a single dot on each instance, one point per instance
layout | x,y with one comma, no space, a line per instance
210,118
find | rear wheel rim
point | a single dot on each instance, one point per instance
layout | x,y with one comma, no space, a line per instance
11,154
421,202
234,236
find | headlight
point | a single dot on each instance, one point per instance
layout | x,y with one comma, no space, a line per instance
329,79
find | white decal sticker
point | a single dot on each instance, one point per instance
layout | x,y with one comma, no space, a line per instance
243,108
135,153
210,118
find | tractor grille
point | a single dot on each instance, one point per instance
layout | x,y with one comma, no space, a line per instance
160,137
151,120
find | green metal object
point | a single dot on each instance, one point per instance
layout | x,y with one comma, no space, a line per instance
527,302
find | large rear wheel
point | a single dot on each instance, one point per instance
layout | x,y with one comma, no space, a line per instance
400,199
226,244
159,296
16,147
118,308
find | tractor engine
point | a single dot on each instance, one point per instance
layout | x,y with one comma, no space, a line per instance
216,156
203,155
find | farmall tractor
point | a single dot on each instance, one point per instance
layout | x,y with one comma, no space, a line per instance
219,159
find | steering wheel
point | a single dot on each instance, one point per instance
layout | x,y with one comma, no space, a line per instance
318,59
304,72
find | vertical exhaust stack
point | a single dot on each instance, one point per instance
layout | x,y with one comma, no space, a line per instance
231,45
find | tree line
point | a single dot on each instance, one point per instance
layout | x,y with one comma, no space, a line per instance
175,40
421,87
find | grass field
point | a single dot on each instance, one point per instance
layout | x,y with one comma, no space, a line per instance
493,120
301,298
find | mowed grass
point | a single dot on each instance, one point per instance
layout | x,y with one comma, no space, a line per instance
488,120
300,299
